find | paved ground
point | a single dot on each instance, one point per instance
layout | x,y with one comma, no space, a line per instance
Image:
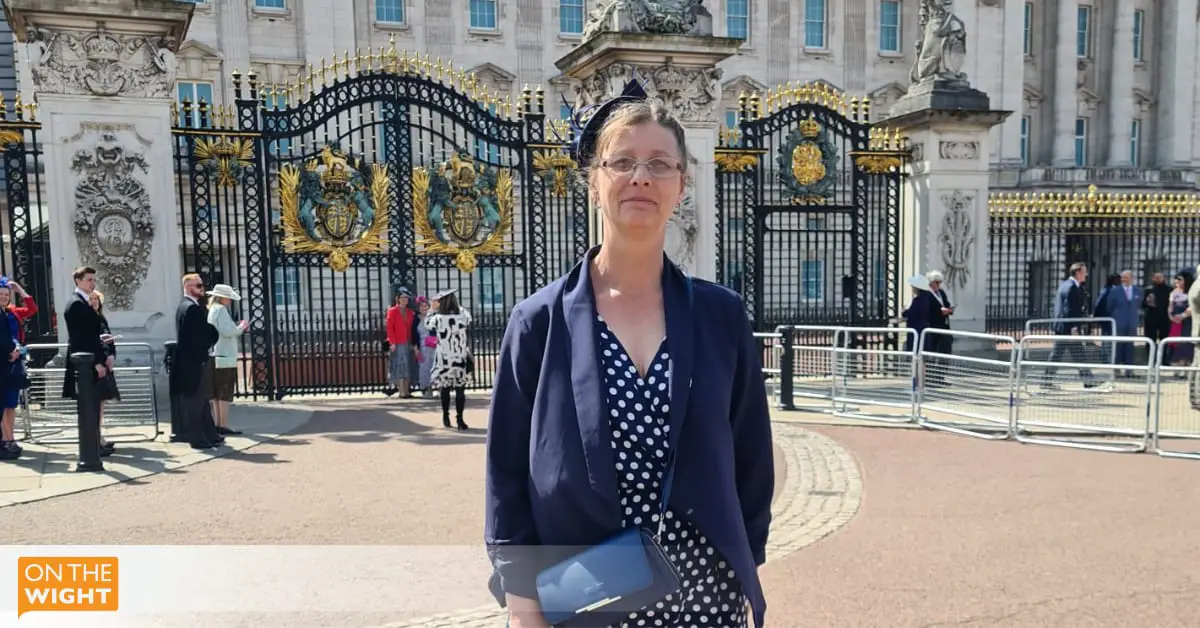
949,530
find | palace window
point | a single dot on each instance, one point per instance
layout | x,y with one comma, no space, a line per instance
814,24
889,26
194,92
1139,19
1081,142
1083,32
812,278
491,288
270,4
483,14
1028,33
287,287
389,11
570,16
737,18
1025,140
1135,143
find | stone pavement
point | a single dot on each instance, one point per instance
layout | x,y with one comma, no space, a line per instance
47,470
818,493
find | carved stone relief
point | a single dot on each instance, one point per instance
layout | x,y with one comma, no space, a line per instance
113,222
664,17
957,237
691,93
682,229
1032,97
959,151
942,45
1089,99
101,63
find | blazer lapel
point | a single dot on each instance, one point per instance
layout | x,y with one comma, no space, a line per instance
680,343
579,310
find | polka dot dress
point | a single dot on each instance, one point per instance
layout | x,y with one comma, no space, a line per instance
711,596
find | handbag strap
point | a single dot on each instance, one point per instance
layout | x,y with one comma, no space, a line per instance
669,477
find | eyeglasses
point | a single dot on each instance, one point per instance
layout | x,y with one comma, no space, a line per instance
658,167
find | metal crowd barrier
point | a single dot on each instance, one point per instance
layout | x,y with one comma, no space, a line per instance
977,392
1097,327
772,352
1177,400
1048,399
876,369
49,418
1045,392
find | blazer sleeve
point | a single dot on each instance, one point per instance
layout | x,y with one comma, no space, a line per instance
754,463
196,321
27,310
219,317
1075,302
917,314
509,530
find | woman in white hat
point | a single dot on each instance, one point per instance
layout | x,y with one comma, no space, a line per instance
452,362
225,353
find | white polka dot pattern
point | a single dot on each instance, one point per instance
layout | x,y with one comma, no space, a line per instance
711,596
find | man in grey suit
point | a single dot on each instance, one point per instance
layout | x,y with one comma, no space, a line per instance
1068,304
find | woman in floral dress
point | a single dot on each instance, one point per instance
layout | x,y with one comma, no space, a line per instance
427,345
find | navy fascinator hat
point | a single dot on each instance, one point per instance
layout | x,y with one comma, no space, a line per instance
587,122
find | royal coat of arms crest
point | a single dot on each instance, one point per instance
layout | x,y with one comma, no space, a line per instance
808,163
335,205
462,208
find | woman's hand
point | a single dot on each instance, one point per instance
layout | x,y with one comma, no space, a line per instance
524,612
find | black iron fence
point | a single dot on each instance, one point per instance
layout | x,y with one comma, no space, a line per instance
318,199
1034,238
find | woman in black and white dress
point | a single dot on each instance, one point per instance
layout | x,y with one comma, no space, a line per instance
450,323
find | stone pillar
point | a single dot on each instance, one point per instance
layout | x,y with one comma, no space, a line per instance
104,76
1120,98
234,37
1066,76
681,71
1012,82
948,123
1177,83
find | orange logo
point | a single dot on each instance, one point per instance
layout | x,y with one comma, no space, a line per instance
59,583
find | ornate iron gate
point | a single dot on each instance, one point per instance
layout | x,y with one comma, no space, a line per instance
319,198
808,210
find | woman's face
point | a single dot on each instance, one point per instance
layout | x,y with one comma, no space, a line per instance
94,301
5,297
423,307
402,301
1178,284
639,203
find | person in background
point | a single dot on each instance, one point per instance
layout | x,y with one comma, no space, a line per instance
225,353
15,317
1124,304
1100,308
1180,317
109,390
1194,306
84,335
400,324
450,363
427,345
940,313
191,372
1068,305
916,317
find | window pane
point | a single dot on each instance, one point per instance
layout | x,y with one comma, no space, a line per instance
1028,27
737,18
483,13
1137,34
270,4
812,274
814,23
570,16
889,26
389,11
1082,40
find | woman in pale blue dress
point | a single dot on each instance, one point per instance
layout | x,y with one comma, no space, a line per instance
427,342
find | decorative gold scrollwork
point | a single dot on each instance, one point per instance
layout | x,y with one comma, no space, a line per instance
736,162
878,163
462,208
556,168
226,157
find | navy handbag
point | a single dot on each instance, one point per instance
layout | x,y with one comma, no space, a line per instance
626,573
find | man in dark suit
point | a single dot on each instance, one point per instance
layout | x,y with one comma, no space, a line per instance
191,373
1156,310
939,318
1069,304
84,332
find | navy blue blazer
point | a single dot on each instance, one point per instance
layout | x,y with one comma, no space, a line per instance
1068,303
551,480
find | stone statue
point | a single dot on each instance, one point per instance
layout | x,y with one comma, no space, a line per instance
942,46
666,17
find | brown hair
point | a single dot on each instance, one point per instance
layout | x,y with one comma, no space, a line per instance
634,114
189,277
81,272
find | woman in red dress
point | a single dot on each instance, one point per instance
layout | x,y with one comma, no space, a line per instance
401,323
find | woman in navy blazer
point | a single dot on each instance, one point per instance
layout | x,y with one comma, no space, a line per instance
605,373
